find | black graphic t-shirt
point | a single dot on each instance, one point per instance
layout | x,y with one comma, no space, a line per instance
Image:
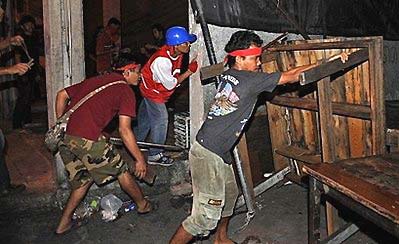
233,105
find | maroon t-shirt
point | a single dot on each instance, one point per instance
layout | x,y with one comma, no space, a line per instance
90,119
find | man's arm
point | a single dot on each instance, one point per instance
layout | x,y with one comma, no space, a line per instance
61,103
19,69
15,41
130,142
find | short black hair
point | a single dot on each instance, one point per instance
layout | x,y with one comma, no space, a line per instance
114,21
27,19
241,40
158,27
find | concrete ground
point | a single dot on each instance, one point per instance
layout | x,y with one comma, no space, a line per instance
281,218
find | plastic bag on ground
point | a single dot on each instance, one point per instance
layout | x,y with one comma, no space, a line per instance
110,205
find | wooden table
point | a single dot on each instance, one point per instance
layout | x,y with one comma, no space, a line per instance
369,186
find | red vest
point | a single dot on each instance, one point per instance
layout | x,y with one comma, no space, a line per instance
154,90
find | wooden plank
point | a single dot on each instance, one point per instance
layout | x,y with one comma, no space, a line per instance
355,126
325,118
370,195
217,69
211,71
340,123
246,164
319,46
377,96
350,110
382,171
298,121
314,200
299,154
327,142
278,134
332,67
368,141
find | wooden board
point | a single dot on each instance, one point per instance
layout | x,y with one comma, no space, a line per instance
372,181
353,96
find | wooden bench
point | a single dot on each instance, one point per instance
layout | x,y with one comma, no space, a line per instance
369,186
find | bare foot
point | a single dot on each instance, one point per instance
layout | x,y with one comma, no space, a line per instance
144,207
62,228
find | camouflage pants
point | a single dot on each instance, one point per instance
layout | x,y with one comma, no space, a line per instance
87,161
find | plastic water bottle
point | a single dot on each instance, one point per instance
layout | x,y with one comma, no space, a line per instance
130,207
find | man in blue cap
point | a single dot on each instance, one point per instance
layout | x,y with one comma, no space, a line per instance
160,77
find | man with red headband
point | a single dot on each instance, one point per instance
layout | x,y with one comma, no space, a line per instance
160,77
87,155
214,186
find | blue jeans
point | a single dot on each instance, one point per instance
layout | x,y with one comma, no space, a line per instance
4,176
152,118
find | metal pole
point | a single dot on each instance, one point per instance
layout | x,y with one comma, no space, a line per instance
118,141
266,185
245,191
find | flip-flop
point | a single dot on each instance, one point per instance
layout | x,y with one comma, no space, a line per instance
148,206
75,224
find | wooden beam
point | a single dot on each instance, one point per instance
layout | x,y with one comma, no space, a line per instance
211,71
246,164
343,109
327,143
319,46
299,154
217,69
377,96
329,68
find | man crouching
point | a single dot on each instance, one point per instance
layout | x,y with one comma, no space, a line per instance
87,155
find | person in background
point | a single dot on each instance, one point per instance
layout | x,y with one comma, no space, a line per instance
27,85
106,45
158,32
160,78
6,187
215,189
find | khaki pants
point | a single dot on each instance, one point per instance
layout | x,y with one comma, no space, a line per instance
214,188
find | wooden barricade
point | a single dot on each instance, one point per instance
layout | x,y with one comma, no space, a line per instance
338,113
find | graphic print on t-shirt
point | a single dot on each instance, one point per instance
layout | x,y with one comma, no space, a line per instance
225,99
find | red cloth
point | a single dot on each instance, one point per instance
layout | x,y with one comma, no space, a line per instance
104,43
154,90
90,119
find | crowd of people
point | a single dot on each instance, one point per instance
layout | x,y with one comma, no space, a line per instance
26,68
90,158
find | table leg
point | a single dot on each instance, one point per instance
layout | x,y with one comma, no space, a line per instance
314,212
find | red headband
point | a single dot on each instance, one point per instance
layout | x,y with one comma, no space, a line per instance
129,66
247,52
